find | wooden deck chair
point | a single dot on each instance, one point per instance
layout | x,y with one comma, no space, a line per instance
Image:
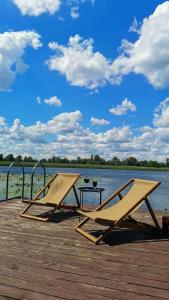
119,213
55,192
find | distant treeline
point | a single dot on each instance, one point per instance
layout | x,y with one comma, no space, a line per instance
94,159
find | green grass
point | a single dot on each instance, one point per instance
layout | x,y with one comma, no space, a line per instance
90,166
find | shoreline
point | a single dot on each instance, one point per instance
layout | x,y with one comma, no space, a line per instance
89,166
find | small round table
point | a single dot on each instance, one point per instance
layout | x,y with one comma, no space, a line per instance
89,190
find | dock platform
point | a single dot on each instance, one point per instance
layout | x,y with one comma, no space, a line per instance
49,261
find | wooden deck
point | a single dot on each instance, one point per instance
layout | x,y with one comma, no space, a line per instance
41,261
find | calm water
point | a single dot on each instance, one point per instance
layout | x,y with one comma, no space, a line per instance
110,180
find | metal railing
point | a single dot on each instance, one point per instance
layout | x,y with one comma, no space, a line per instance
19,164
38,165
15,164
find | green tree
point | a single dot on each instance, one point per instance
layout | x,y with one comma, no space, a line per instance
131,161
153,163
115,161
29,159
43,160
65,160
19,158
91,159
167,162
143,163
9,157
98,160
78,160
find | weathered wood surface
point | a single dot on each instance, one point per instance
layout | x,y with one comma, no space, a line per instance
41,261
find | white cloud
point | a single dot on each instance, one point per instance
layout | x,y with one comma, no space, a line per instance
80,64
38,99
149,55
53,101
62,123
135,27
161,114
2,121
123,108
99,122
12,47
37,7
74,12
84,67
65,136
115,135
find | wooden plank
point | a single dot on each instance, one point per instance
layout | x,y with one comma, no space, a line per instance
78,269
70,251
51,260
13,293
3,297
54,290
87,277
125,256
133,254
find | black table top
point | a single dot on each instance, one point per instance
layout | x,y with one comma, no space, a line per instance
90,189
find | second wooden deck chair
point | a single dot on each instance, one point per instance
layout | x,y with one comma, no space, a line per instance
117,214
55,192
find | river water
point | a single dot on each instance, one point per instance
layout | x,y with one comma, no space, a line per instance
110,180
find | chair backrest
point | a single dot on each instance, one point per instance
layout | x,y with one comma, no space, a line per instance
136,195
60,187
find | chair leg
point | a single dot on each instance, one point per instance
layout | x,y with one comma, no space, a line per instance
34,218
82,223
84,233
26,209
28,216
90,236
87,235
152,215
52,213
105,233
76,196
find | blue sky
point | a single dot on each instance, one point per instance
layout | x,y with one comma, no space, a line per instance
82,77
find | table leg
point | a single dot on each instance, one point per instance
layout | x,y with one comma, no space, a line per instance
80,204
82,200
100,198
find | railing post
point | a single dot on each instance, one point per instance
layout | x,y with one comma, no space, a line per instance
38,164
17,164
